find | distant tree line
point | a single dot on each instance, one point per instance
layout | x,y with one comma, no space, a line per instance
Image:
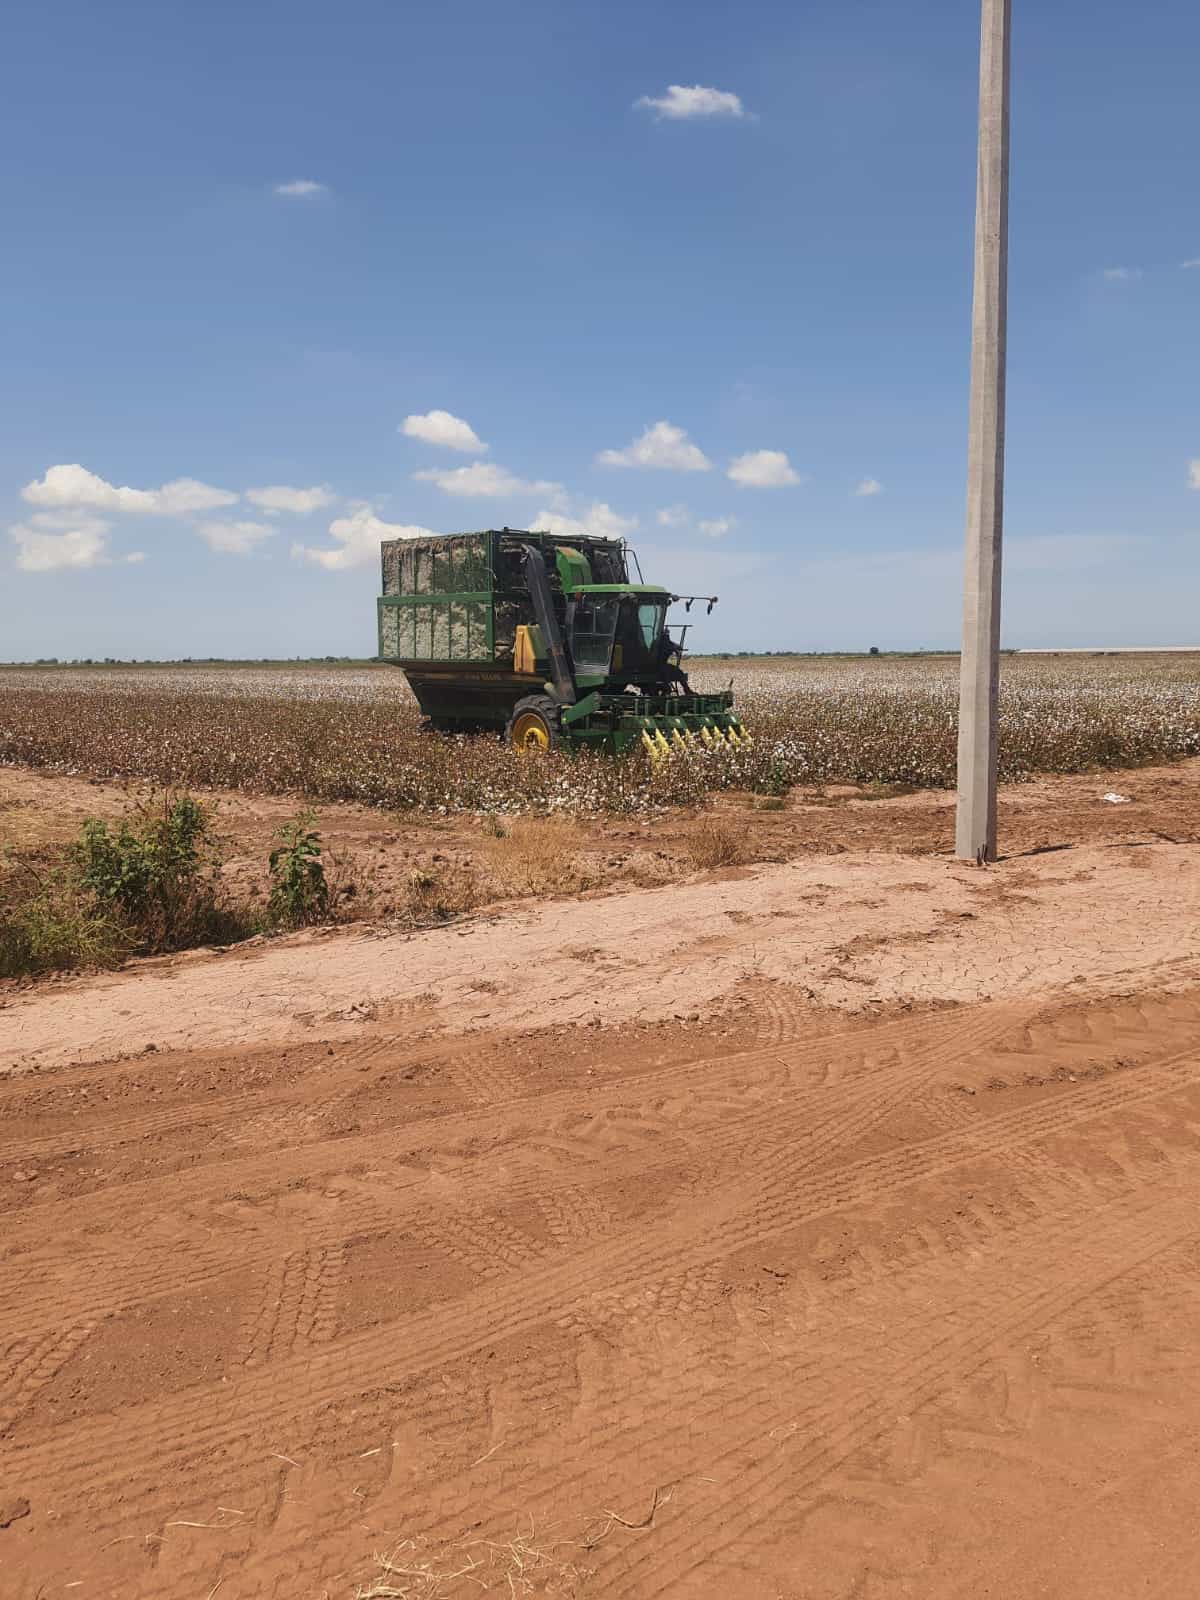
370,661
196,661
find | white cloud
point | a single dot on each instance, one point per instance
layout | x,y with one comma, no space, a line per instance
672,516
484,480
234,538
69,522
1194,262
183,497
868,487
276,497
1121,274
53,540
716,527
679,103
763,469
358,536
661,445
48,552
599,521
1194,473
74,486
443,428
299,188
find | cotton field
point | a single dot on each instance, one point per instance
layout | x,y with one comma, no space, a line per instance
352,733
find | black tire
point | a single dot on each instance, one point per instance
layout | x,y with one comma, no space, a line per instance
535,724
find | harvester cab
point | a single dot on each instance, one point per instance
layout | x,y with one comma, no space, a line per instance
547,639
610,630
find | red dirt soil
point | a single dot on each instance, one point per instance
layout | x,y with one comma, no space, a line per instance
857,1256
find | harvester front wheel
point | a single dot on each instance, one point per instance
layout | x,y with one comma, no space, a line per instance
534,724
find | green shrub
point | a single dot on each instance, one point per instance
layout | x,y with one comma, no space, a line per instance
157,872
147,884
299,892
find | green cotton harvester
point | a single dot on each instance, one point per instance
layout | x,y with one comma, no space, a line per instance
546,639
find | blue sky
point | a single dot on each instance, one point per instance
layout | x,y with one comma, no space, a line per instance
245,242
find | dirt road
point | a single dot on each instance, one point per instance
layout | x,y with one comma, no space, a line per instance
878,1277
853,932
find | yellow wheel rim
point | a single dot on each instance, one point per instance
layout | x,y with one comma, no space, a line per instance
530,733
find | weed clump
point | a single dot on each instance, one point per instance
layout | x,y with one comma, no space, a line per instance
299,891
440,893
150,884
714,842
46,924
146,885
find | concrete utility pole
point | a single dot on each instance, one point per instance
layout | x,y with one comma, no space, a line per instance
979,692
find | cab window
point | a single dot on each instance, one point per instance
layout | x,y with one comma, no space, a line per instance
650,619
592,634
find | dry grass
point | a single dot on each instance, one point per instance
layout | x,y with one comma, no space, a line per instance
519,857
47,923
521,1566
440,892
714,842
536,856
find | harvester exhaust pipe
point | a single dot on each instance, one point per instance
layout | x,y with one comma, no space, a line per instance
561,672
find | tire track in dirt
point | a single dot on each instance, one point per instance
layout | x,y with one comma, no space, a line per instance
467,1121
186,1250
245,1116
364,1217
297,1307
837,1360
575,1214
855,1113
254,1117
31,1362
181,1253
489,1247
1041,1184
936,1338
914,1366
231,1112
487,1082
201,1425
834,1348
491,1085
